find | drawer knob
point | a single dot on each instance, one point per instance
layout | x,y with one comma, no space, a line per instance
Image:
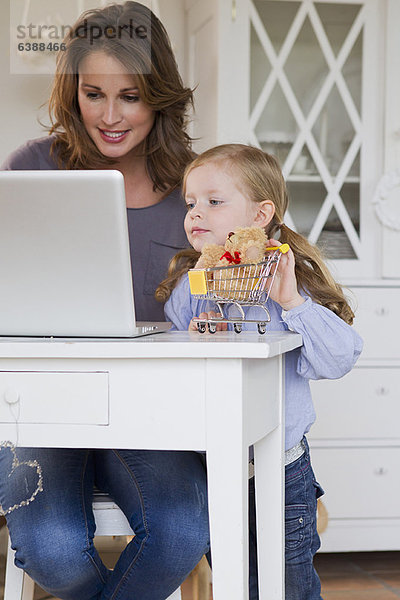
380,471
382,391
11,396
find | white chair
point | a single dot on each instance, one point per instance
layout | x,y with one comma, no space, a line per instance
110,520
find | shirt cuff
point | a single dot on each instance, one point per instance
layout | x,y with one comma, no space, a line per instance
287,315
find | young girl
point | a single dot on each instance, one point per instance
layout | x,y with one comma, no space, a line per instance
235,185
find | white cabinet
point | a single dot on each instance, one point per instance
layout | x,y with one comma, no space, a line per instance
306,107
304,81
316,83
356,438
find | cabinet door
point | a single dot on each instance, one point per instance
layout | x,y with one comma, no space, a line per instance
315,93
376,321
369,489
362,406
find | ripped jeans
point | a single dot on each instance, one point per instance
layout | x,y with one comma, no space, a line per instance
301,536
163,495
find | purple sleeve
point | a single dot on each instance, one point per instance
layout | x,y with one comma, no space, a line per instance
31,156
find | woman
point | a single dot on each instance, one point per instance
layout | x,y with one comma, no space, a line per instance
117,103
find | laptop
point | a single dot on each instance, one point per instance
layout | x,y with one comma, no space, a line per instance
65,266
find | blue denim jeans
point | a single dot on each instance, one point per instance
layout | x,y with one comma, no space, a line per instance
163,494
301,537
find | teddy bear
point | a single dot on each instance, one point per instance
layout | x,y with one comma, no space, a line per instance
244,245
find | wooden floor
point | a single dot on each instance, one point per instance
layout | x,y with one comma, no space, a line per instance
359,575
349,576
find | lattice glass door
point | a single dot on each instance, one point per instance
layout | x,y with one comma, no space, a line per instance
306,84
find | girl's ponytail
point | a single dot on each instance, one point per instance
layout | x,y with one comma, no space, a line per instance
314,277
179,265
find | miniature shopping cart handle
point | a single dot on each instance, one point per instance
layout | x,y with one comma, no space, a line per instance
282,248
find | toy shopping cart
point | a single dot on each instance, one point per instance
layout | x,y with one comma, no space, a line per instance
236,286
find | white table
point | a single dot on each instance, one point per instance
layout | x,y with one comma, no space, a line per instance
177,391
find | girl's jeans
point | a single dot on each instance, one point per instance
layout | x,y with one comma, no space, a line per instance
163,494
301,537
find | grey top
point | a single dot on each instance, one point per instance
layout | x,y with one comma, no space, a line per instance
156,232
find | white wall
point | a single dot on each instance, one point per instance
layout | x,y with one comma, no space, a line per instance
22,95
172,14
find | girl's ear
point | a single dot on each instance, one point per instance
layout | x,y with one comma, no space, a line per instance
265,213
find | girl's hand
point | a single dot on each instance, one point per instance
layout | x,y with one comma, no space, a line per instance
205,316
284,289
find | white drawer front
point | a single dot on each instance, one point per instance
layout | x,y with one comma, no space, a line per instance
359,482
377,321
363,404
56,397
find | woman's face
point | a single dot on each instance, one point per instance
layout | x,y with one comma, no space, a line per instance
113,113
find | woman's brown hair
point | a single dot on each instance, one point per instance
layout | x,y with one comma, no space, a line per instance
134,36
259,176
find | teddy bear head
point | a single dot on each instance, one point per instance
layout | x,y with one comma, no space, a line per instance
246,245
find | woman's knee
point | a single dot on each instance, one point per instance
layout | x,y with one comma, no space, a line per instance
164,494
180,529
45,548
59,560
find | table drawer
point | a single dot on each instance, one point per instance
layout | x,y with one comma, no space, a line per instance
359,482
54,397
377,320
363,404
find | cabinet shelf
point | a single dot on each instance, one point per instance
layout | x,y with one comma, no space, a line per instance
317,179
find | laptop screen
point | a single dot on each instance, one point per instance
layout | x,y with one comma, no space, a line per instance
64,255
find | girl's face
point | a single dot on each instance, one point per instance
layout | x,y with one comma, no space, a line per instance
112,111
216,206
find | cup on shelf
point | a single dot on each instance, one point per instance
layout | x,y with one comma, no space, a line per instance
300,165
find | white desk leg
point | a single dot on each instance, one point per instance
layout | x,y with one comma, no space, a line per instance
270,503
227,465
18,585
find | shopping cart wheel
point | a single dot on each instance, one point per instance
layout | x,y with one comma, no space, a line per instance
237,327
201,327
212,327
262,327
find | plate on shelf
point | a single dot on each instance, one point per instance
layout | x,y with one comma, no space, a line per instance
336,245
305,172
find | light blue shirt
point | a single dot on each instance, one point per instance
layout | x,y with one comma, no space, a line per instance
330,348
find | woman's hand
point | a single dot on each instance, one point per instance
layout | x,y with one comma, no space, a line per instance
284,289
205,316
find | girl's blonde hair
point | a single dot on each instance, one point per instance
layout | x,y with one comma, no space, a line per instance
258,175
